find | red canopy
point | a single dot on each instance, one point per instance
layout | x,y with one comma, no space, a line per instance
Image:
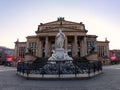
9,58
113,58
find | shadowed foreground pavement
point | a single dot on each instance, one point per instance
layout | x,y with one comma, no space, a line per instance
109,80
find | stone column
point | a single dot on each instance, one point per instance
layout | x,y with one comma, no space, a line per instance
37,47
75,46
82,48
46,46
66,41
79,48
95,44
85,46
107,49
40,48
27,45
49,50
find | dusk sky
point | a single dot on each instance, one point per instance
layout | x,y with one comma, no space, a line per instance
20,18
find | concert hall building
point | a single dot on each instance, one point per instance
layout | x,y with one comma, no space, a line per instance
77,41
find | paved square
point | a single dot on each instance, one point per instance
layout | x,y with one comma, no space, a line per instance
109,80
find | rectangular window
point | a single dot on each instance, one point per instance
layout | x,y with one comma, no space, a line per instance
22,52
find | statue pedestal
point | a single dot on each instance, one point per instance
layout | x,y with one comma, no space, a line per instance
29,57
60,53
93,56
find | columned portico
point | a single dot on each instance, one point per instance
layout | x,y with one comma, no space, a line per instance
78,46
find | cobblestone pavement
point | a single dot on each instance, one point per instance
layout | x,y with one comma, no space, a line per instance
109,80
4,69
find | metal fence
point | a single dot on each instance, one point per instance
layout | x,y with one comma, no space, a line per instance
59,68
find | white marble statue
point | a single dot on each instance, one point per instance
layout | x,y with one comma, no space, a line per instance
60,53
60,38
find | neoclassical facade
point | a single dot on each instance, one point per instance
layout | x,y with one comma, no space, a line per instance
77,41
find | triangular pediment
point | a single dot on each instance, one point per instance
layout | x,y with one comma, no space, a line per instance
55,25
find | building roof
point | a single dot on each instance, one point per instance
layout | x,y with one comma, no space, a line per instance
92,36
61,23
32,36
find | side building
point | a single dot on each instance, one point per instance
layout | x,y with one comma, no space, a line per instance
114,55
77,42
4,52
